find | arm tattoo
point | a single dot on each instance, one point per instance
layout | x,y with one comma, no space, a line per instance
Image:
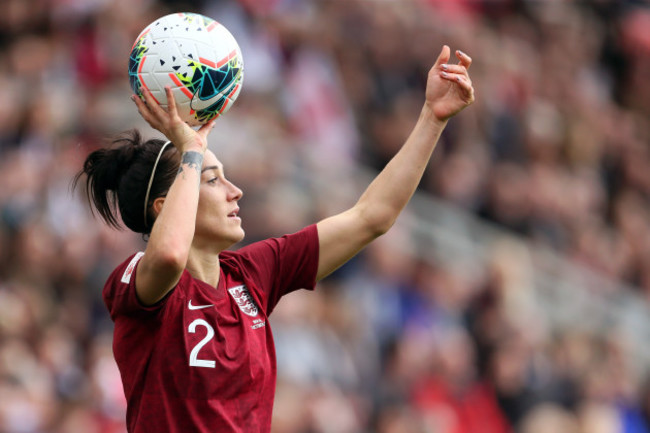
191,160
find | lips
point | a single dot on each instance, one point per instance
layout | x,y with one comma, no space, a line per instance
234,213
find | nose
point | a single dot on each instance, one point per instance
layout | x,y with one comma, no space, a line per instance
234,193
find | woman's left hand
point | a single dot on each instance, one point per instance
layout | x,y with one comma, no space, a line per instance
449,87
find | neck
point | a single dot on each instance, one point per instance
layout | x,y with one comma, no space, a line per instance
204,266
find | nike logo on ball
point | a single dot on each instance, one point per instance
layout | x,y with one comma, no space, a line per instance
198,104
197,307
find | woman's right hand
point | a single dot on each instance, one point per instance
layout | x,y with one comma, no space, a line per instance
182,136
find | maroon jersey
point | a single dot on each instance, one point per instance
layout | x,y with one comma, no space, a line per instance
203,359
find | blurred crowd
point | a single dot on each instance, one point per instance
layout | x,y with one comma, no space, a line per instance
555,150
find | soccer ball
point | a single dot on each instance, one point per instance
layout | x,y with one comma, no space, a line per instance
195,55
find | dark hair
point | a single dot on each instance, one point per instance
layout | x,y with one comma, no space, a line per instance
117,179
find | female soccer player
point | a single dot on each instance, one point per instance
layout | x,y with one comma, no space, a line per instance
192,339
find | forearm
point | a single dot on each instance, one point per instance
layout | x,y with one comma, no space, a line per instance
391,190
172,234
449,90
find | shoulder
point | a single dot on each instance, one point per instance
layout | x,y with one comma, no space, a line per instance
119,292
269,252
304,238
278,265
125,271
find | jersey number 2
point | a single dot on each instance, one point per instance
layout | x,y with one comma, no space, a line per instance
194,354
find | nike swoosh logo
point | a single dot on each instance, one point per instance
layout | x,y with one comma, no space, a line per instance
197,307
198,104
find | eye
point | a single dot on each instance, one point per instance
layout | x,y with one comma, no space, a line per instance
213,180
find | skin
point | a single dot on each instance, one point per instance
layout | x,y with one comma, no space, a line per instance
197,219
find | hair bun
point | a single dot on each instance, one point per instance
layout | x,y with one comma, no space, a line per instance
105,169
107,166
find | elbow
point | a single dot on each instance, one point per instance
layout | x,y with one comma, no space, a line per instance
382,228
378,221
170,259
168,250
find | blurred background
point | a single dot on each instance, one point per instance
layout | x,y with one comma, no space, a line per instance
511,296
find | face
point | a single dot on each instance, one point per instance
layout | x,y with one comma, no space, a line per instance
217,220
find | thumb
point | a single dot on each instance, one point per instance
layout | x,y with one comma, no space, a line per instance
443,57
207,127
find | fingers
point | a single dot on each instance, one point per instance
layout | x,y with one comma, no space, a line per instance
149,106
138,102
442,64
171,102
445,54
463,59
151,110
454,69
458,78
148,98
205,129
143,108
443,57
456,73
464,82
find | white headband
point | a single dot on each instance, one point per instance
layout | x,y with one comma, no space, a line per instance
153,172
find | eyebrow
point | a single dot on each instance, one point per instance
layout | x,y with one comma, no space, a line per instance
211,167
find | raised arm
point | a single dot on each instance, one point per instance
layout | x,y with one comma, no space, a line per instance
449,90
171,236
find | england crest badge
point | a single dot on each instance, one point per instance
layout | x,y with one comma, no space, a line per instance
244,300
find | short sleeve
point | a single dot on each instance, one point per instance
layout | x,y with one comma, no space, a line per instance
119,291
282,265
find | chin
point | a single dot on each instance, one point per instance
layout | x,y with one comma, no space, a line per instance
222,239
237,236
242,235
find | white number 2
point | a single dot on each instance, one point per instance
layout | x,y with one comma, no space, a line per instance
194,360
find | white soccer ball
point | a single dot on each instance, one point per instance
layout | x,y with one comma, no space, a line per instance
195,55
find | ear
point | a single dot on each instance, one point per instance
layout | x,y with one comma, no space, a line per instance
157,205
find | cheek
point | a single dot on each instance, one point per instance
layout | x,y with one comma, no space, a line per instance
209,202
205,207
